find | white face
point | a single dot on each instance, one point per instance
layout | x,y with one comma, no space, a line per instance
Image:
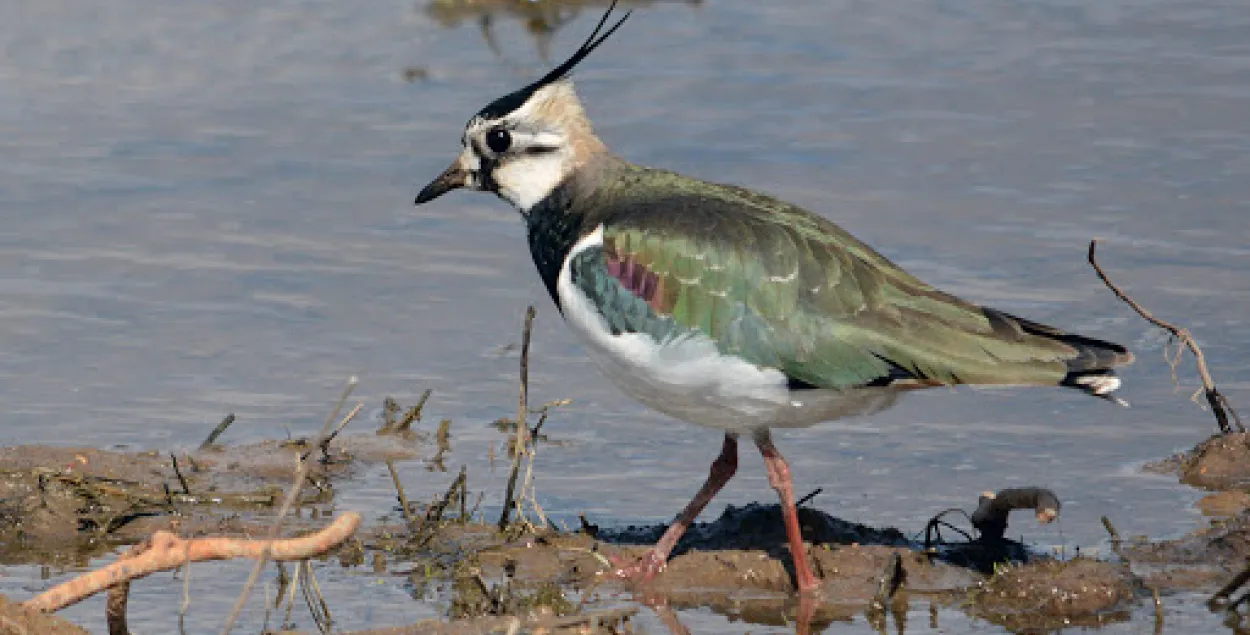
522,156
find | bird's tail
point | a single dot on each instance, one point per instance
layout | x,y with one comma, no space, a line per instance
1092,370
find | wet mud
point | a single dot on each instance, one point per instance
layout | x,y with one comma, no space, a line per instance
1219,463
63,506
14,618
1051,595
1210,555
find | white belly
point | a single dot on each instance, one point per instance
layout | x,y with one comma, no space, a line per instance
689,379
708,390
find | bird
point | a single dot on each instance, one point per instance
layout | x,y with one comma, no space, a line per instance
729,308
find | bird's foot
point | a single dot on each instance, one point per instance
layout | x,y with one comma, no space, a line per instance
639,571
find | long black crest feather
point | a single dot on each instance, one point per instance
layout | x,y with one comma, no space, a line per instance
512,101
589,45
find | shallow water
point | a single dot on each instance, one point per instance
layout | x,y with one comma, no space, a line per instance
207,209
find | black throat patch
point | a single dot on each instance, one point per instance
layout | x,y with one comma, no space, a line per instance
552,230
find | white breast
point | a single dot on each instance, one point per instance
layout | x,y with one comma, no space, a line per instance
688,378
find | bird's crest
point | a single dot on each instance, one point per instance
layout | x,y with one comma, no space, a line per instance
512,101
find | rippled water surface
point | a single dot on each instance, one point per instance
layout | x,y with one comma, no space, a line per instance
206,208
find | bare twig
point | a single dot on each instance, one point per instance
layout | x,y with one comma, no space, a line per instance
403,498
221,427
443,438
543,412
118,597
892,578
414,414
325,443
435,513
464,493
115,609
314,598
182,480
527,486
164,551
292,495
813,494
284,583
1220,406
291,587
1221,597
538,508
1115,535
522,428
186,591
269,606
1154,593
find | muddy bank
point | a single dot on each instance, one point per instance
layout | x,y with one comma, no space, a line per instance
1222,462
738,566
16,619
1052,595
93,501
1211,554
64,505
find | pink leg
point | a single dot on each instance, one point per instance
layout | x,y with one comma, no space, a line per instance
723,469
779,478
804,614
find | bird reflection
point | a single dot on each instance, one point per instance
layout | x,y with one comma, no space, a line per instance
542,18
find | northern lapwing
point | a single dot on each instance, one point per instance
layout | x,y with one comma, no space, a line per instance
728,308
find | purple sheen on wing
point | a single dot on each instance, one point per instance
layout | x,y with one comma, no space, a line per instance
642,283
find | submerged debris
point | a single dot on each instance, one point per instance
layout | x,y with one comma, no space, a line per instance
990,518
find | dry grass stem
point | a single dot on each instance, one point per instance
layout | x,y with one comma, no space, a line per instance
403,498
182,480
1115,535
434,514
414,414
291,586
522,425
892,578
325,443
292,495
314,598
118,598
1221,597
221,427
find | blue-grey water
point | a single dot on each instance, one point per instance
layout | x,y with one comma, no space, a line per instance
206,208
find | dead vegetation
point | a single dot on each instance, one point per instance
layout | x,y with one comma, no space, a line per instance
1221,409
1218,463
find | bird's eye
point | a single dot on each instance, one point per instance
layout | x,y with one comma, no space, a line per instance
499,140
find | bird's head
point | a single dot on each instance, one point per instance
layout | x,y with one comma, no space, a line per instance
525,144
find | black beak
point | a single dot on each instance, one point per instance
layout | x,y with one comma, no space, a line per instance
452,178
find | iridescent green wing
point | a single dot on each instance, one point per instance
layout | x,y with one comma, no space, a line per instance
785,289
